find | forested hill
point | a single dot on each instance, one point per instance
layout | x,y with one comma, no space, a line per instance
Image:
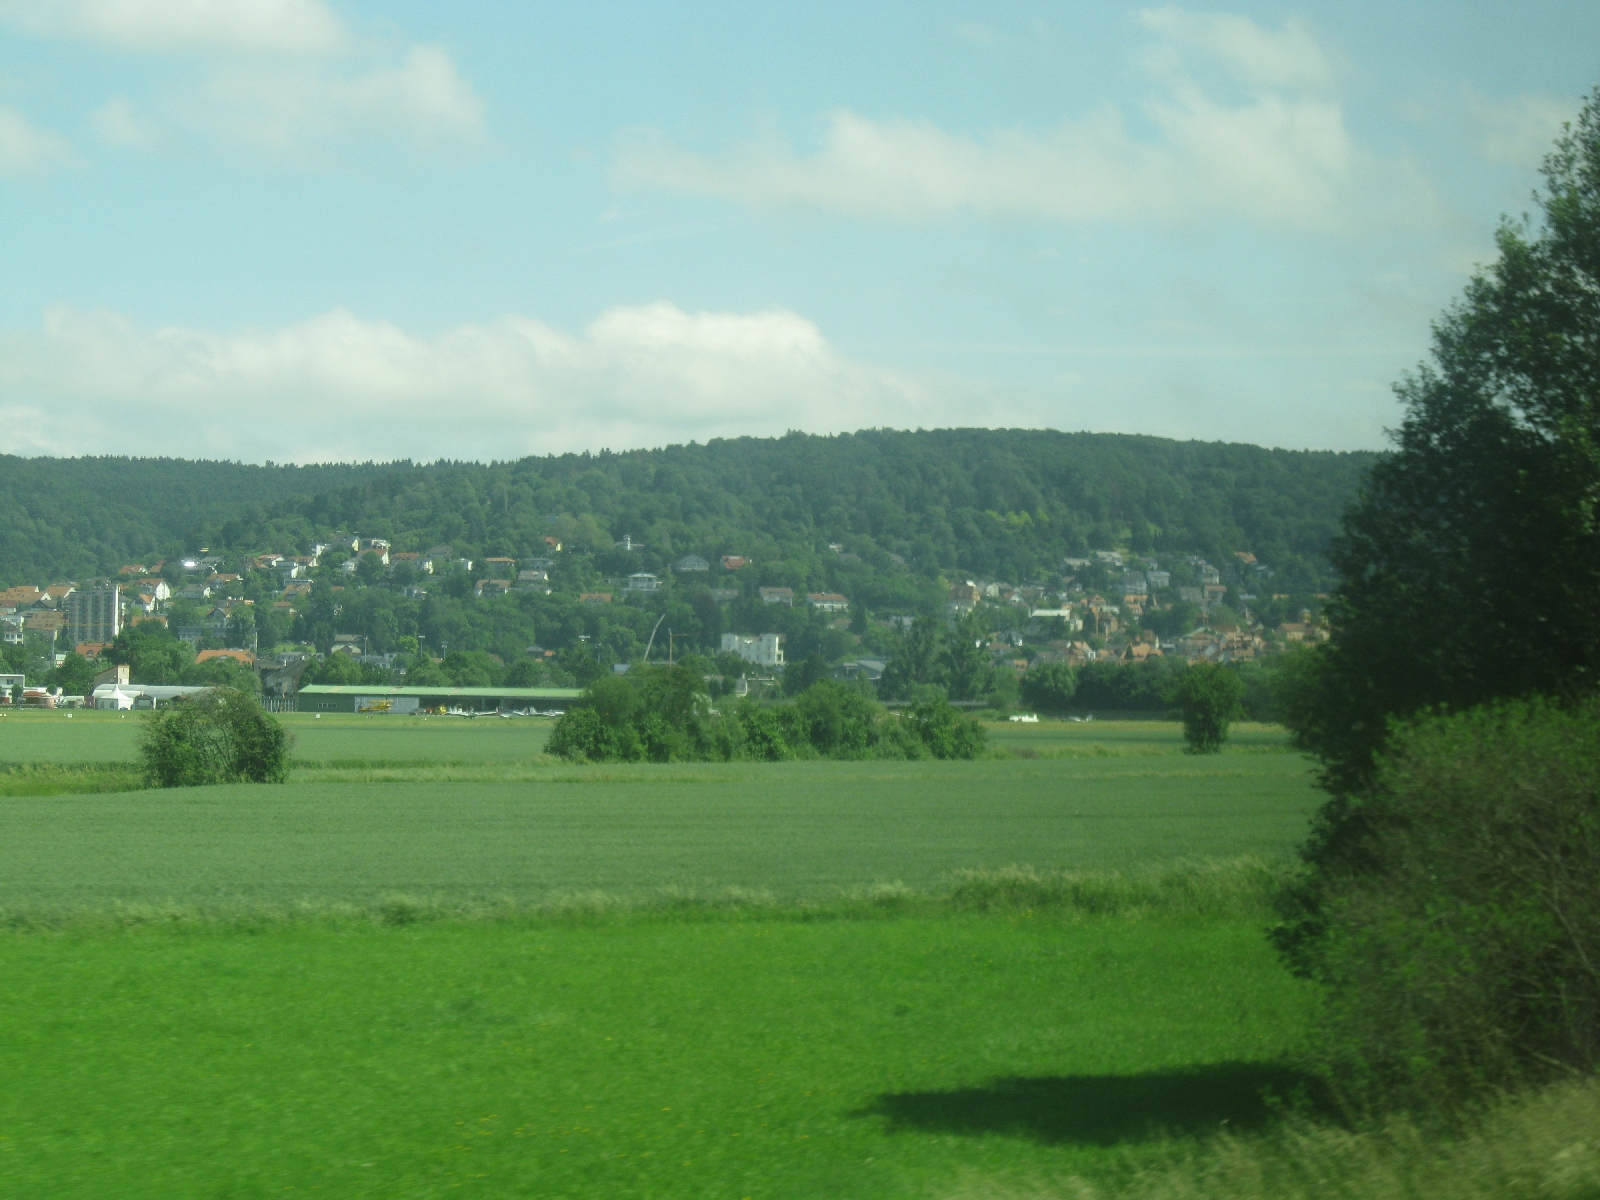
71,518
1006,504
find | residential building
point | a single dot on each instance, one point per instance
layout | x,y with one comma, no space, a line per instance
594,598
724,595
827,602
23,596
734,562
94,614
1158,579
492,587
691,562
503,568
964,597
642,581
777,595
862,668
239,656
1191,595
763,649
1215,593
533,581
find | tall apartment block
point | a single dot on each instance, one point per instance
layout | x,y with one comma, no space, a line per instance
94,614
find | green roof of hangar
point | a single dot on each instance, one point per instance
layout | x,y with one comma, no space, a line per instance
464,693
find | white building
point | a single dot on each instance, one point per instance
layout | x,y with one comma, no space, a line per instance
642,581
139,695
763,649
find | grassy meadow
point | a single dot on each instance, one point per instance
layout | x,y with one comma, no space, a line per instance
437,963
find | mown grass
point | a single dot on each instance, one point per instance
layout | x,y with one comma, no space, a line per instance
646,1057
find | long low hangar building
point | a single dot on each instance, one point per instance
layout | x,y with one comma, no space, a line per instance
344,698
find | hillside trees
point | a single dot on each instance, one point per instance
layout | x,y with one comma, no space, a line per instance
1000,503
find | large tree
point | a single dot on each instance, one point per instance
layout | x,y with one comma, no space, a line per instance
1470,562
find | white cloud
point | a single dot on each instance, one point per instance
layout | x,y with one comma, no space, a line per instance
27,149
1272,159
338,386
1285,58
304,112
1280,154
1523,130
253,26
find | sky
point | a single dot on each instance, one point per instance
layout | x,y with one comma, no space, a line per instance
318,230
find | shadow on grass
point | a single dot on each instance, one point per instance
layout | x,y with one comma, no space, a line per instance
1104,1110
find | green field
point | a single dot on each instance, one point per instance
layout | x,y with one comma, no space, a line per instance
221,992
335,739
87,736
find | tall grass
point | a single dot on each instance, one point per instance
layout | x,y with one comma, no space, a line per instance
61,779
1217,887
1226,888
1542,1145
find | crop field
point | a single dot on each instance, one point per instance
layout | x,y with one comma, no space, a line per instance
436,964
86,736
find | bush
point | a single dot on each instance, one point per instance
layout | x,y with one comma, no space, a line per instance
221,736
1452,912
1208,698
948,733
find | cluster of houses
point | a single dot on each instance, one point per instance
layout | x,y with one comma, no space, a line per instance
1072,624
1142,587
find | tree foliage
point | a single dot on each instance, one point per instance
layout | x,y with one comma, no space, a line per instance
221,736
664,714
1470,563
1208,698
1455,917
1001,503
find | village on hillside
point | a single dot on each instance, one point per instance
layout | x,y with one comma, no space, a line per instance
356,613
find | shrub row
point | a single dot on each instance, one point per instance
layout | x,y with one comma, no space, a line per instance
663,714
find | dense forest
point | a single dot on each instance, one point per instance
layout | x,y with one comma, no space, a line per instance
1006,504
74,518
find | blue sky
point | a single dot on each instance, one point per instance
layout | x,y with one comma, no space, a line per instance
314,229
